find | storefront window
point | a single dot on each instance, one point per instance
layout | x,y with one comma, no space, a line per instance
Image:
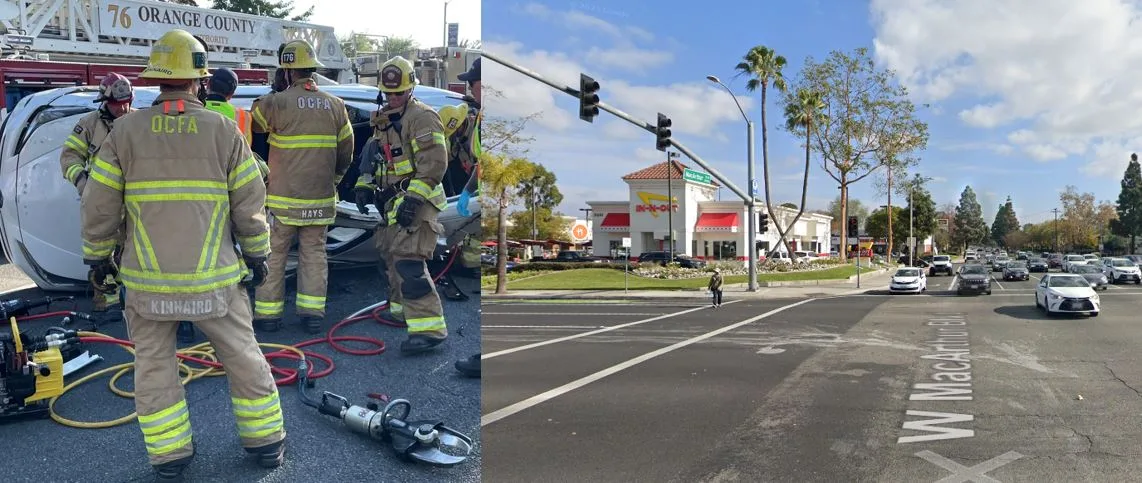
725,250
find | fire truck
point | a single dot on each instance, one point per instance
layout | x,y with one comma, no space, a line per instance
46,44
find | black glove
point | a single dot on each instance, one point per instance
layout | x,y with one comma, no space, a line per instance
363,196
407,212
383,197
258,270
98,275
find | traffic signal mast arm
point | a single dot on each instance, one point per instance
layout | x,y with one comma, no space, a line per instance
646,126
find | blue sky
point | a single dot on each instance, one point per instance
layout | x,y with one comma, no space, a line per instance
994,124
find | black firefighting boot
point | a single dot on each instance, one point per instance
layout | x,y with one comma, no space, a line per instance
419,343
312,323
268,325
470,367
269,456
172,472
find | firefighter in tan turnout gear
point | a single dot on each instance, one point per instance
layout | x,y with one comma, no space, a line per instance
311,148
116,94
190,188
404,184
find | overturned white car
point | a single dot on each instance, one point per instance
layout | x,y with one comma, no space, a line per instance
39,210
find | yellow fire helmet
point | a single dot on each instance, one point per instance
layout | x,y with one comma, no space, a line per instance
176,55
453,117
299,54
397,75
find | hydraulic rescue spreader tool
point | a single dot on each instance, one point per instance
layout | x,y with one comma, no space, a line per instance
427,441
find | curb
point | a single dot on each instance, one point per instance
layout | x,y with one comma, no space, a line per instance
813,283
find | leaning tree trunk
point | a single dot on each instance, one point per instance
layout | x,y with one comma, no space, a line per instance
804,188
765,174
502,245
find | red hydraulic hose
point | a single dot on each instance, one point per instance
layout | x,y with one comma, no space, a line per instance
290,376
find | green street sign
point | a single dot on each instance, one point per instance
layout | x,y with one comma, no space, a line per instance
697,177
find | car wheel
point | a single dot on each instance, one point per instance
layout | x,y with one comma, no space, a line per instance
989,292
1094,314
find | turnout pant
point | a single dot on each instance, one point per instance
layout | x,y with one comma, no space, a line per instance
412,293
312,272
160,399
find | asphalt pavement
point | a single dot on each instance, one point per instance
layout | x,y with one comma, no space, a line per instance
318,447
863,387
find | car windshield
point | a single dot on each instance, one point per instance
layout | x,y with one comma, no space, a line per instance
908,272
1058,281
942,258
976,269
1086,269
1122,263
1075,258
1016,265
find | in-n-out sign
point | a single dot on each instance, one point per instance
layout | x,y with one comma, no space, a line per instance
655,203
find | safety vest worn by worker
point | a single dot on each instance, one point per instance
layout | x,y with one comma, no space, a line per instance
311,148
400,144
85,139
178,264
245,126
238,115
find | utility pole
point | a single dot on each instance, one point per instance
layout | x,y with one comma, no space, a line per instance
534,209
587,216
1056,212
670,155
445,44
442,73
890,217
911,235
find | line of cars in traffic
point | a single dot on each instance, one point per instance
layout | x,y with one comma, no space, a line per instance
1071,290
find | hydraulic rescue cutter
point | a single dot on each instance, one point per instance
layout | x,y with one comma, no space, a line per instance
426,441
32,369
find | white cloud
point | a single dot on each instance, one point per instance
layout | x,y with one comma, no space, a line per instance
423,21
1067,68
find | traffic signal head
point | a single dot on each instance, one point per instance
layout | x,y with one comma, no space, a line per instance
763,223
853,228
663,132
588,98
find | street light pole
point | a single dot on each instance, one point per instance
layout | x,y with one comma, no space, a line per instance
752,211
751,205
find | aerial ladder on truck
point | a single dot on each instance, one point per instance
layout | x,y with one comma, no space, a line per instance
39,38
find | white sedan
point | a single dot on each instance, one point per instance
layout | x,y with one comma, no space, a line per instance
908,280
1066,293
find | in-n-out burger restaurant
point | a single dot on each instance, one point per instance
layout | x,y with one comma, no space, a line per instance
703,226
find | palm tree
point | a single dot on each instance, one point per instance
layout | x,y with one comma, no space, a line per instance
764,65
802,112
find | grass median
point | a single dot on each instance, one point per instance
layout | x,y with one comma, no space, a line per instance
610,279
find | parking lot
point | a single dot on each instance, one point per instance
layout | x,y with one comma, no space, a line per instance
868,387
318,446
